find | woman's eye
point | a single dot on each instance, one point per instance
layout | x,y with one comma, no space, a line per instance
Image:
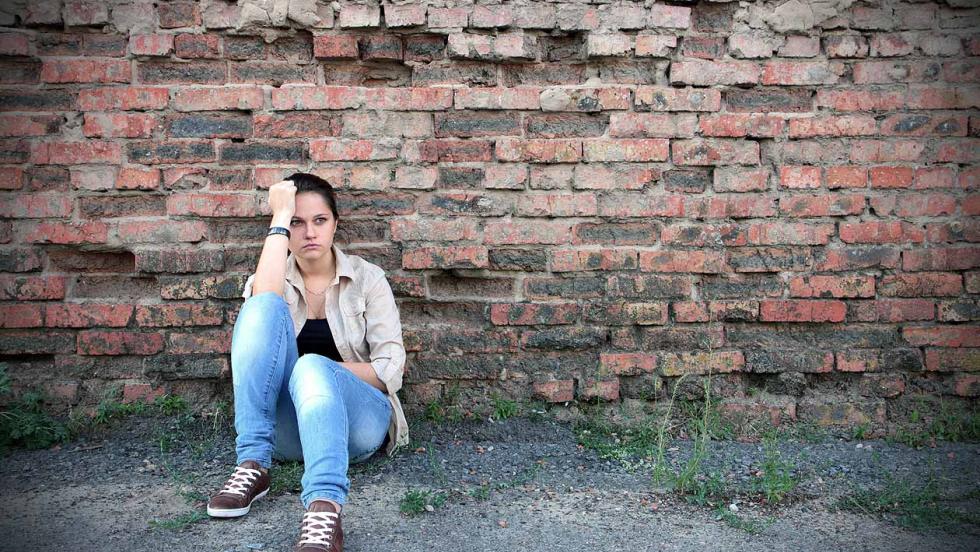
294,223
321,220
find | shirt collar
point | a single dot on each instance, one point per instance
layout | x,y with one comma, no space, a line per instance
343,268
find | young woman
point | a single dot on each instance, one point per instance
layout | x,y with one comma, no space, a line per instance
317,358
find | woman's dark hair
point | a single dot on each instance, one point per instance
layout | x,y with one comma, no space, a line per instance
306,182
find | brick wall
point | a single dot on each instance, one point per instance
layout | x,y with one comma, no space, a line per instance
572,200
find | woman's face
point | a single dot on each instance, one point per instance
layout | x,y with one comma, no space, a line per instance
312,227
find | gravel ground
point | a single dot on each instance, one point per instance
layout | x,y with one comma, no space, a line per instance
512,485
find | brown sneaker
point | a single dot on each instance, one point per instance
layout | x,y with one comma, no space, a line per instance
244,487
321,530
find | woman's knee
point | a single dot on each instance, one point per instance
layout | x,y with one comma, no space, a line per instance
263,305
313,376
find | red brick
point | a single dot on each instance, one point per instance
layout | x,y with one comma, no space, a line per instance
941,258
857,361
138,179
404,16
30,125
651,125
705,262
967,385
76,153
934,177
832,286
965,151
942,336
198,46
151,44
85,70
533,314
738,125
670,17
883,72
200,341
908,124
891,177
555,391
119,125
641,206
847,125
43,205
665,98
162,231
846,46
715,152
880,232
328,149
122,98
800,73
846,177
179,14
798,46
613,177
829,205
713,73
94,342
179,261
540,150
244,98
445,257
87,315
68,232
861,100
179,314
141,392
556,205
736,179
212,205
914,205
19,315
408,99
11,178
527,232
882,151
14,44
802,311
627,364
352,15
966,360
904,310
433,230
922,284
569,260
648,45
799,177
746,45
591,389
498,98
316,97
785,233
335,47
932,97
733,206
718,362
31,288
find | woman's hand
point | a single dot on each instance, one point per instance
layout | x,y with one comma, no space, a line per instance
282,202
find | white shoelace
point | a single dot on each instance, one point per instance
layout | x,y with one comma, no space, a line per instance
240,481
318,528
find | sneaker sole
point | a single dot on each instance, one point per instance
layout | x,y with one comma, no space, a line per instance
238,512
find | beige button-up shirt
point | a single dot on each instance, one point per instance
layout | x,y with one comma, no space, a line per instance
364,321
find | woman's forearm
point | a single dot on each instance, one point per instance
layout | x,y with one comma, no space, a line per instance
365,372
270,274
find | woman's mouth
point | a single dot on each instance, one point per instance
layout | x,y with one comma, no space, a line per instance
311,246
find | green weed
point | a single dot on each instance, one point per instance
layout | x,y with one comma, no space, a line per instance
24,423
504,408
777,479
915,507
417,501
178,523
736,521
286,477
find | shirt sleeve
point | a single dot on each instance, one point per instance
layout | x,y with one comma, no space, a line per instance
247,291
384,334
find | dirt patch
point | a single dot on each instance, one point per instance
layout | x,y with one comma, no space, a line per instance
512,485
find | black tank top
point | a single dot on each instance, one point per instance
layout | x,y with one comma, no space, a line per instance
315,338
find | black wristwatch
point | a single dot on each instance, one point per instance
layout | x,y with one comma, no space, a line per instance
273,230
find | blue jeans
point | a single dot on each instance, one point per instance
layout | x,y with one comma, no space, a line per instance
311,407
